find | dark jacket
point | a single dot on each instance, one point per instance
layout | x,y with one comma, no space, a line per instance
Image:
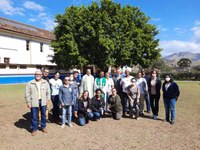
172,91
83,105
158,86
115,104
97,104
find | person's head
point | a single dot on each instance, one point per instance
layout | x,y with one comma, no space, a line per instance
66,81
45,72
85,94
168,78
98,92
154,73
75,73
38,75
133,81
56,75
114,91
101,74
118,71
88,72
107,75
71,78
127,72
139,74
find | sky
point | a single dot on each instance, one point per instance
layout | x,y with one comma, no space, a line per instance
178,21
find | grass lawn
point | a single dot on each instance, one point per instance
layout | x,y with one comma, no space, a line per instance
106,133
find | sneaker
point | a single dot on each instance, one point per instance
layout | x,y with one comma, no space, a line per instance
152,116
70,125
137,118
62,126
155,117
166,120
172,122
33,133
44,130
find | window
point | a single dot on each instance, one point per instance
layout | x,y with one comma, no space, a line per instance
23,67
13,66
2,66
27,45
41,47
6,60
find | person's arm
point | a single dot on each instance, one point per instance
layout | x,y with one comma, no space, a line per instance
60,95
81,107
178,92
138,94
93,107
28,95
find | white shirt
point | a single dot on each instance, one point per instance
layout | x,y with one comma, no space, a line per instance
142,83
110,84
55,85
125,82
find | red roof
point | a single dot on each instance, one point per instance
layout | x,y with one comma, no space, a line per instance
18,27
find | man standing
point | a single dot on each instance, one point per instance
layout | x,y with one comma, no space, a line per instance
117,79
87,83
37,96
125,82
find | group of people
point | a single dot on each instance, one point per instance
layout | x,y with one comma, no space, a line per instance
90,98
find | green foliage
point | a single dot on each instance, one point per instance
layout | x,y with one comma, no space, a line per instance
104,34
196,68
184,75
161,65
184,62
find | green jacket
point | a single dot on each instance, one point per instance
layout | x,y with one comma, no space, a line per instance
31,93
115,103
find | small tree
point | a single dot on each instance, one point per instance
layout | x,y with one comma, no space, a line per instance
184,62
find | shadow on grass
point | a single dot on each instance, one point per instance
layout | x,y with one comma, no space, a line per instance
25,122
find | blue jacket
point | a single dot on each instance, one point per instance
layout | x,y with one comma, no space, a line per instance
172,91
66,95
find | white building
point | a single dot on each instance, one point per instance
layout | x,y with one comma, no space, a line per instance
23,48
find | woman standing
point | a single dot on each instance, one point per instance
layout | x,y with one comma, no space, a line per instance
154,86
170,96
84,109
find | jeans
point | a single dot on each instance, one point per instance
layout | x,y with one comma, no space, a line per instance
154,100
147,99
125,102
83,120
56,103
34,117
67,110
95,115
170,108
133,104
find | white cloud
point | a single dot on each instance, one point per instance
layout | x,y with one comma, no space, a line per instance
160,28
33,6
155,19
32,20
179,31
7,7
48,23
174,46
197,22
196,30
42,14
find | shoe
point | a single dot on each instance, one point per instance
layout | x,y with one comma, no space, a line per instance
70,125
141,114
172,122
48,121
33,133
137,118
125,114
62,126
152,116
155,117
44,130
166,120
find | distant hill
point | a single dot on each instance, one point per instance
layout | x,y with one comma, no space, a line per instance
175,57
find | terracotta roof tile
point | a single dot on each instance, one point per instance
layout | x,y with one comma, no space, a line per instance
7,24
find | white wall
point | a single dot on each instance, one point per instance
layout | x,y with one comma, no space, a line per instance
15,49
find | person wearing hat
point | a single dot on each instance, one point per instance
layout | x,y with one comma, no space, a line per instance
170,96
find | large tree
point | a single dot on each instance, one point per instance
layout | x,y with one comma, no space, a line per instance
184,62
104,34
